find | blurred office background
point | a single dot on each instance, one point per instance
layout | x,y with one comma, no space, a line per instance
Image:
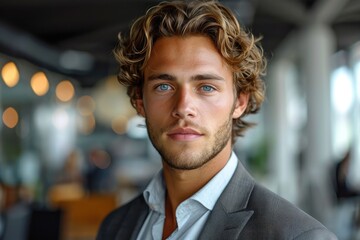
71,148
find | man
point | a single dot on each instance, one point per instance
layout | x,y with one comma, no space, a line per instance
193,73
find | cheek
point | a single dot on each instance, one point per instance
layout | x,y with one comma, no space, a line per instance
157,110
218,108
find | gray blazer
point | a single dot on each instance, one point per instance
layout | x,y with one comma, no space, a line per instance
245,210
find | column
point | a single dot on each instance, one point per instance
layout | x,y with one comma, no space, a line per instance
317,46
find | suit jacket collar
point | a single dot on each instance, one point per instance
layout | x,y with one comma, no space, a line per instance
226,220
135,218
229,215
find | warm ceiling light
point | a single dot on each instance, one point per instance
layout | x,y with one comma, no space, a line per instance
87,124
39,83
65,91
86,105
10,74
10,117
119,125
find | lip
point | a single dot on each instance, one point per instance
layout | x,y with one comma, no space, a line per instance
184,134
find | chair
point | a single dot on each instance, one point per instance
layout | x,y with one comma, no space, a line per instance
83,216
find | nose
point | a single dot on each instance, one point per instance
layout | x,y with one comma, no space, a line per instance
184,104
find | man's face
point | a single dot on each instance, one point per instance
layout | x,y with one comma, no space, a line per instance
189,101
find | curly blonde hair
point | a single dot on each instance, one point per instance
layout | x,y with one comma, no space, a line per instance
238,47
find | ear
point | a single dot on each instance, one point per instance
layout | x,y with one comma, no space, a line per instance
241,103
139,105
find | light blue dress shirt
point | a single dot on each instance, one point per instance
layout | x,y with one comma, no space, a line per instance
192,213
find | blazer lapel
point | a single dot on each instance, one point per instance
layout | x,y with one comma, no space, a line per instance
230,215
134,220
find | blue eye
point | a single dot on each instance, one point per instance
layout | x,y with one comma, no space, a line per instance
163,87
207,88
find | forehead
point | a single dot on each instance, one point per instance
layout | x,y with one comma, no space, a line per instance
189,51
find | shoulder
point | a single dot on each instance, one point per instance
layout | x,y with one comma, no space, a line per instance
277,217
121,212
115,219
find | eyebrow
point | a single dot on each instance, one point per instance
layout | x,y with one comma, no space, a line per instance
198,77
209,76
161,76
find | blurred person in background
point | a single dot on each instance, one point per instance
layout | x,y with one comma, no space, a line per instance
342,188
72,170
194,73
99,175
348,199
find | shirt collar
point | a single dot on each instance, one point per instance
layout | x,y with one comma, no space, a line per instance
154,193
216,185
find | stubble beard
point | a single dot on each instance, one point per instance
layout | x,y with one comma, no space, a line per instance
184,158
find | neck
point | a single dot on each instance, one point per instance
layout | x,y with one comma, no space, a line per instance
182,184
